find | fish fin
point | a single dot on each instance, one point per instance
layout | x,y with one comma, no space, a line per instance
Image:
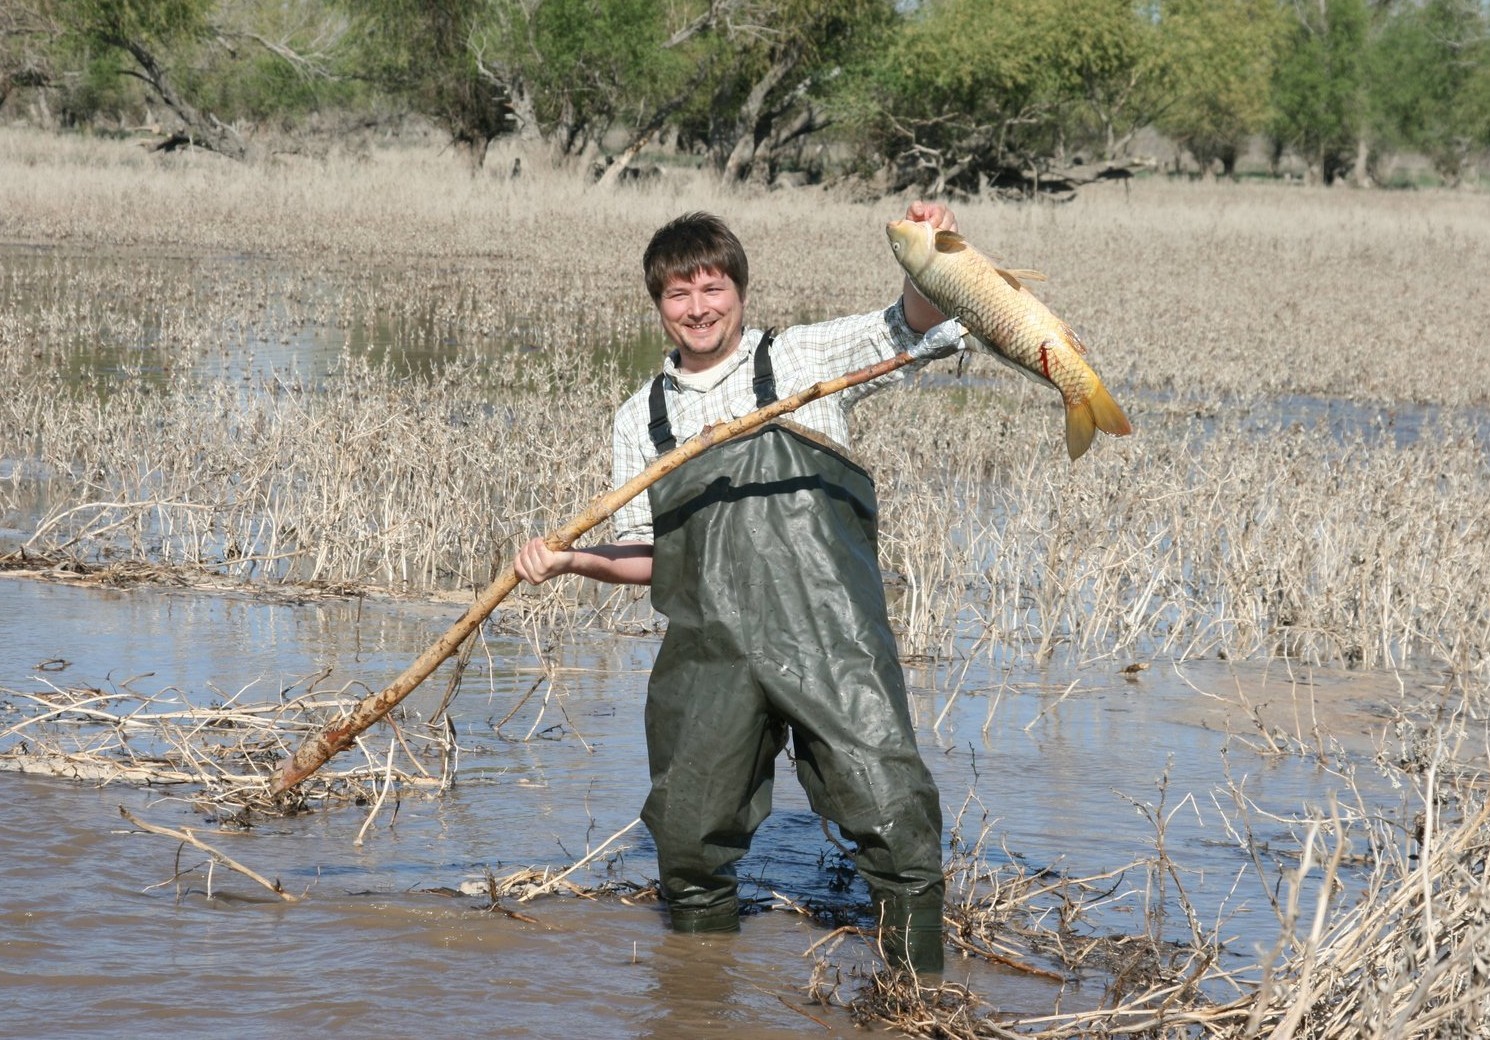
1106,413
1011,277
950,242
1026,275
1084,418
1072,339
1081,427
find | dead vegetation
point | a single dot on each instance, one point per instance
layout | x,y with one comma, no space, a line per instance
214,392
219,755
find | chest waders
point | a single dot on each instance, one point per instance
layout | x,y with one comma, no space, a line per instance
765,565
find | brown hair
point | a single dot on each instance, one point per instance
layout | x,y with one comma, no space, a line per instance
692,243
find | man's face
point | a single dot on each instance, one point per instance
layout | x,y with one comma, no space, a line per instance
703,316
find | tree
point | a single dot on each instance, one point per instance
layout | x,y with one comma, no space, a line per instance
1319,86
1220,54
146,32
1112,70
776,65
25,34
429,54
1431,82
590,64
1002,92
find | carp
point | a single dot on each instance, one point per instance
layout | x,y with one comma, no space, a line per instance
1006,320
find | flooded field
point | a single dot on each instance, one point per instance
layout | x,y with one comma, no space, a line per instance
268,428
103,939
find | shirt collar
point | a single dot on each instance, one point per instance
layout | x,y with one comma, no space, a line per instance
749,340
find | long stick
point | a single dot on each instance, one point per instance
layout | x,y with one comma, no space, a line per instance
339,735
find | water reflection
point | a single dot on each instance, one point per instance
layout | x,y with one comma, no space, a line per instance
99,318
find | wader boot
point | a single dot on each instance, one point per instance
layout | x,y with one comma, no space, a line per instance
765,565
911,933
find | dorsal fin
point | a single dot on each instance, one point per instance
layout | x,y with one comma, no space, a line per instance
950,242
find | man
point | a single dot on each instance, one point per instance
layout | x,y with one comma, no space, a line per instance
762,554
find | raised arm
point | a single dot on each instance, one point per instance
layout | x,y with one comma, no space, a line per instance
920,313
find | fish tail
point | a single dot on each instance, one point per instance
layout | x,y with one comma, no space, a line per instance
1106,413
1081,427
1084,418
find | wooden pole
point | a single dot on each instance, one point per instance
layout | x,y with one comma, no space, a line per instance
340,734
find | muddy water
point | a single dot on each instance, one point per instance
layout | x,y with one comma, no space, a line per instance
97,940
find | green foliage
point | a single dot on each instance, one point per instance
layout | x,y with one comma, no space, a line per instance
590,63
422,52
778,63
97,92
1431,77
1220,54
970,87
116,22
259,88
1319,87
961,68
945,94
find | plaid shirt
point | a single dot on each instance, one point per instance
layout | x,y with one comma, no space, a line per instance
801,355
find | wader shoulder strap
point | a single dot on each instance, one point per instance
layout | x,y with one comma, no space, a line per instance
658,426
765,375
661,429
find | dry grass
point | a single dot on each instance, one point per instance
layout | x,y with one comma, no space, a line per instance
218,756
1301,366
1383,927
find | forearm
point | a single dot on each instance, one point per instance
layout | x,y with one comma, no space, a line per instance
920,313
620,563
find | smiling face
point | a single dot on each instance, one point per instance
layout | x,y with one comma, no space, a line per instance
703,316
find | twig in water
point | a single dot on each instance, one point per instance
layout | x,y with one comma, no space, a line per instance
551,882
186,836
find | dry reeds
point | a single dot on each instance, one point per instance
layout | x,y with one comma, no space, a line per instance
1301,482
1395,953
219,756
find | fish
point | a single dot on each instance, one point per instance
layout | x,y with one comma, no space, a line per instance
1005,319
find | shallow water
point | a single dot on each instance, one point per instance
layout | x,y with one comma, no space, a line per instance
99,941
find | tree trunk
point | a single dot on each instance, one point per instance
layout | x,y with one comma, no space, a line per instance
753,126
204,130
1360,174
524,112
617,169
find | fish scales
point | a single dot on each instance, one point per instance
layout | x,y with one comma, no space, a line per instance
1008,321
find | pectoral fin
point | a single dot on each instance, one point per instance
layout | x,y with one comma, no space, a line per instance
1014,277
950,242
